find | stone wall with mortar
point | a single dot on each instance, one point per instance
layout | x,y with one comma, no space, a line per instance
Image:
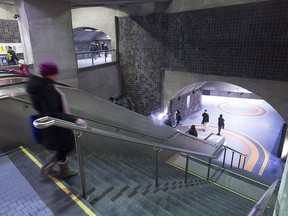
246,41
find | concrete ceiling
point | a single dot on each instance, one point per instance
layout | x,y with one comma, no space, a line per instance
95,3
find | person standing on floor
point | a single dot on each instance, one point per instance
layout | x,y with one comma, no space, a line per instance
93,48
192,131
205,120
178,118
106,48
220,123
48,100
11,56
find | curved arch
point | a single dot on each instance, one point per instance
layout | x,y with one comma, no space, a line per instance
91,18
89,34
84,35
176,84
273,92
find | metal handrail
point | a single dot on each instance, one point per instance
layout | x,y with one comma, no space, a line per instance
260,206
47,121
233,152
104,123
236,151
177,133
96,51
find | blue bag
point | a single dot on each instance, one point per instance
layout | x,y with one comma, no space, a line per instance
36,133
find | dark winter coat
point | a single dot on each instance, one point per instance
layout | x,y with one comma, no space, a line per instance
221,122
13,57
193,132
205,118
48,102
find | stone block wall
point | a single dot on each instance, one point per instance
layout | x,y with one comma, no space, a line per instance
9,31
248,40
180,103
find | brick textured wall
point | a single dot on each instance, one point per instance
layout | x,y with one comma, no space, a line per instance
180,103
9,31
249,40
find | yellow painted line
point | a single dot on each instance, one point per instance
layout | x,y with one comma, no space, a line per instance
60,185
230,190
266,155
252,160
254,157
219,185
178,167
228,108
237,174
235,192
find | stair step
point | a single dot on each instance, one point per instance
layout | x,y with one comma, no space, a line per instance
197,205
115,173
125,185
126,171
211,200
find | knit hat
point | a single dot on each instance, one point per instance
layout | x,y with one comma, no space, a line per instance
21,61
48,68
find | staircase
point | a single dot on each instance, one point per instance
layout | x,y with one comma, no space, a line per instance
120,184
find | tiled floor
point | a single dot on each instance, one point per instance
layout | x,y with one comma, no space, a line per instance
251,126
17,197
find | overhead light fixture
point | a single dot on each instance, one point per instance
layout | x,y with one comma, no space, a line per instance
89,29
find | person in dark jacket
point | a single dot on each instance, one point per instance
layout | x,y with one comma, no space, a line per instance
192,131
178,118
220,123
11,56
48,100
205,120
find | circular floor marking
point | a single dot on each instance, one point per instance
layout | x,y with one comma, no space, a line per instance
243,109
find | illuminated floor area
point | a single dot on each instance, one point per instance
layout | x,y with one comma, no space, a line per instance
251,126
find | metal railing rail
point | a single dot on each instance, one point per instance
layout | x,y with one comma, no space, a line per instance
232,158
200,140
177,133
94,54
101,122
46,122
260,206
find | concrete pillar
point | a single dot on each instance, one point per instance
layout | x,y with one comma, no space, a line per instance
46,28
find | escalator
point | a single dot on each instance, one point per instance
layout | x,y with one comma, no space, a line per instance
16,108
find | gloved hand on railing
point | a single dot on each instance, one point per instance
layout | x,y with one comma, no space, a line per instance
80,122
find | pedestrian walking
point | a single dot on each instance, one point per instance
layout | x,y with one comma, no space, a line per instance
220,123
205,120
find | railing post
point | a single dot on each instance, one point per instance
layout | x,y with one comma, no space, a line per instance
209,165
244,162
157,150
232,159
240,156
224,157
77,134
186,170
92,58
